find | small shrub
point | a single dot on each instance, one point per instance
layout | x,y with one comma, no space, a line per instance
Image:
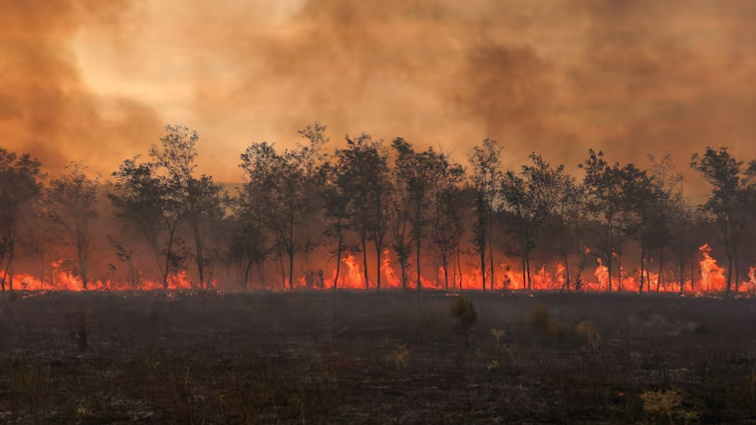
397,356
670,405
463,312
588,332
79,330
464,315
539,319
29,382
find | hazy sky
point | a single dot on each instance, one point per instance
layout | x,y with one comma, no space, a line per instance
94,80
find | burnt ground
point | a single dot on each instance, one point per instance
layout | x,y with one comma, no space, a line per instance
349,358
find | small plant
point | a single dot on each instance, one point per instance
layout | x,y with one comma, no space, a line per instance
79,330
29,382
539,319
541,322
464,315
588,332
397,356
669,404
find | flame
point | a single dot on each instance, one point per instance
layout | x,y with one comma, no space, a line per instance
62,280
602,274
392,281
712,275
545,278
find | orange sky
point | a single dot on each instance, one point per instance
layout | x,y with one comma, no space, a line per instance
94,80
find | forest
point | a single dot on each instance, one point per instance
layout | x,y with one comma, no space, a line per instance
375,214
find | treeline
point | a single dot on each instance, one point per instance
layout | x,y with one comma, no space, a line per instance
300,212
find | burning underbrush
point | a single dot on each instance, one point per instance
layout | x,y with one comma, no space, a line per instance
709,279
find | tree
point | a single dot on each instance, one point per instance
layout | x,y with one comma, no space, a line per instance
529,198
248,241
160,195
728,205
273,181
72,198
336,200
566,224
603,187
424,178
400,206
485,181
446,219
19,188
200,197
366,174
640,197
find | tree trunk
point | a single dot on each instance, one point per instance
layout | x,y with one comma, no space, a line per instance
527,270
642,269
378,255
417,262
619,272
283,266
445,265
198,252
363,241
491,265
339,248
609,271
566,269
459,264
245,283
168,254
659,278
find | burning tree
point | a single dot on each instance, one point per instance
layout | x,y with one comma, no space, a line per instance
19,188
731,204
485,181
279,184
364,163
160,195
529,199
603,187
72,198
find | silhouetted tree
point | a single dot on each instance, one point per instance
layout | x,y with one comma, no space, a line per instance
603,186
19,187
728,203
365,166
529,198
485,180
72,197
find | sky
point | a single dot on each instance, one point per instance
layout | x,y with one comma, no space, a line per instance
95,81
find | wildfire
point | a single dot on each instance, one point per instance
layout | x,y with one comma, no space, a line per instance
62,280
712,275
711,279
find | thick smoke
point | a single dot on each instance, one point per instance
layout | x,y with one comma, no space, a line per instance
45,106
557,77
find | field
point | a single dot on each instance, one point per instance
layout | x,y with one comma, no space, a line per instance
349,358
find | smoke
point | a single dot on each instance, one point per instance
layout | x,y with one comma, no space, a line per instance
557,77
45,107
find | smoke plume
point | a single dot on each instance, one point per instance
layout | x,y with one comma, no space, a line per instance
557,77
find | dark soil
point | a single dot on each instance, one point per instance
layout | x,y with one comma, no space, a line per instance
353,358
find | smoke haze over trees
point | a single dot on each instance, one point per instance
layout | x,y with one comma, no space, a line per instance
374,216
94,81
